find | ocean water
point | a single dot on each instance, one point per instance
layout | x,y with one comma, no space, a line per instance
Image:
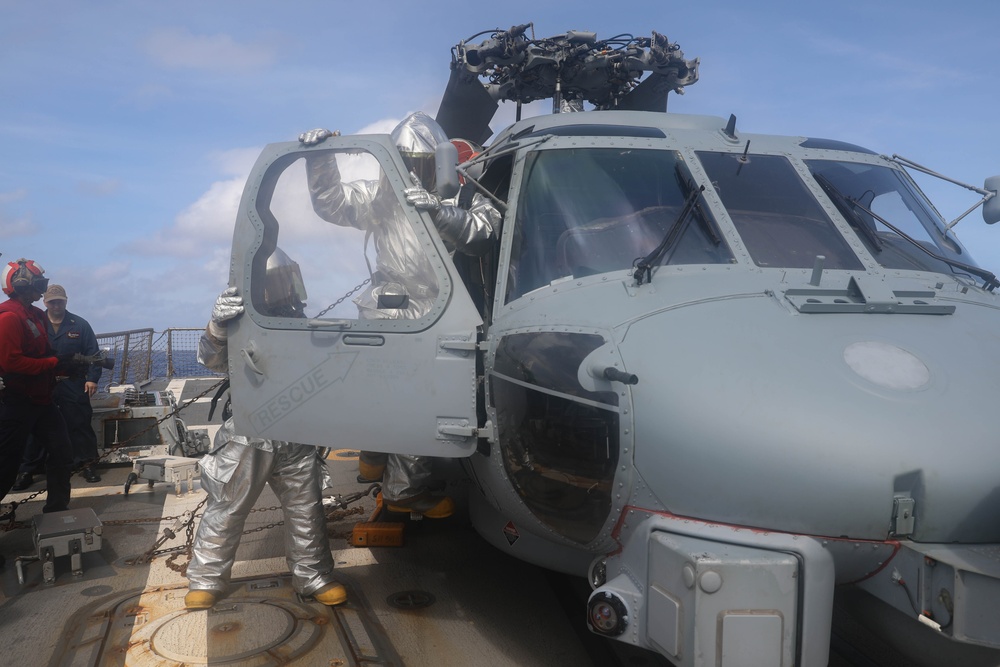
141,365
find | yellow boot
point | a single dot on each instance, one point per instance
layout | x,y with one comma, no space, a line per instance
331,595
200,599
432,507
370,472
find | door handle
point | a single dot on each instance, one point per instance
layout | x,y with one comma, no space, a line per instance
247,354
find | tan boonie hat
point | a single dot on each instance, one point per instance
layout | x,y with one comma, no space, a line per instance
53,293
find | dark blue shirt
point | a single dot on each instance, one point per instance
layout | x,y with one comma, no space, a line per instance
75,336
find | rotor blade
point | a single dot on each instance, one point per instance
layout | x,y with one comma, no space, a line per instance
466,108
649,95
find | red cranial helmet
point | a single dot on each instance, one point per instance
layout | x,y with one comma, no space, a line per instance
466,151
22,275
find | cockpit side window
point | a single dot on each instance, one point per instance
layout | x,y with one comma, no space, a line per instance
584,211
886,192
357,255
779,220
559,441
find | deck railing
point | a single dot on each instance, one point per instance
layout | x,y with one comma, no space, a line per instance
143,354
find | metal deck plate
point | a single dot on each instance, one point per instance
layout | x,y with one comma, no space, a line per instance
262,622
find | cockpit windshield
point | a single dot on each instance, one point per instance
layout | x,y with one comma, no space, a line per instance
778,218
860,190
583,211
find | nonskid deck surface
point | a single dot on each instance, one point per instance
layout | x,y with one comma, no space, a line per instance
444,598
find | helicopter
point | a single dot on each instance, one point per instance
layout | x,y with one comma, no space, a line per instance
719,374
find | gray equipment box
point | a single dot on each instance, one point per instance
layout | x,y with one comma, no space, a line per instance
174,469
71,533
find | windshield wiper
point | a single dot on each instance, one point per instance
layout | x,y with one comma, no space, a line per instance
990,281
846,205
644,266
708,224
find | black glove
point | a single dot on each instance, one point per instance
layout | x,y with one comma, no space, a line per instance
66,365
86,361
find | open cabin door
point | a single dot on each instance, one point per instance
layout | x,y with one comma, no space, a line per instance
382,356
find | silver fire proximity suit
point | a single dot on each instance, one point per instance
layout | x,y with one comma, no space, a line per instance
234,473
372,206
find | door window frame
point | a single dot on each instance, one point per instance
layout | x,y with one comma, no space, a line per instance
252,255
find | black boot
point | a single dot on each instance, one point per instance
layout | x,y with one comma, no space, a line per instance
22,482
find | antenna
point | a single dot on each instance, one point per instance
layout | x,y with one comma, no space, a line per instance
731,127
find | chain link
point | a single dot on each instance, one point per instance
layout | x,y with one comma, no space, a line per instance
341,299
187,519
12,524
147,519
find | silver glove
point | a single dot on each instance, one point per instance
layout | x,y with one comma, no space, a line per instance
227,306
422,199
317,136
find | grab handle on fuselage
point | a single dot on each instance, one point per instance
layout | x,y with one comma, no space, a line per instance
247,354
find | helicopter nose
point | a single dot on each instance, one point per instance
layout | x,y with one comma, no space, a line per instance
817,424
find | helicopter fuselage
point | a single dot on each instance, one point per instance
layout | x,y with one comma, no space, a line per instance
717,373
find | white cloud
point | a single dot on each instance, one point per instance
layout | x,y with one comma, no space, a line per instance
885,68
213,215
236,162
384,126
12,226
149,95
15,195
202,226
15,227
177,48
206,225
123,295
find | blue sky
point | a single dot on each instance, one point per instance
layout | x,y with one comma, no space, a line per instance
128,128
